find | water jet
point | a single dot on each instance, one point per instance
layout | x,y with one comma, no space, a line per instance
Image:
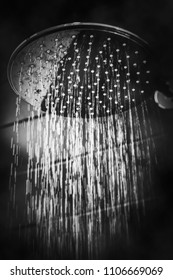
89,151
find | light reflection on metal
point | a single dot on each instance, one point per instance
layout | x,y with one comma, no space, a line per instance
163,101
92,82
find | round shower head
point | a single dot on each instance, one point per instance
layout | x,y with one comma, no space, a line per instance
81,70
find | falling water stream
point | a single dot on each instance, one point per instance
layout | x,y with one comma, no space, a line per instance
89,149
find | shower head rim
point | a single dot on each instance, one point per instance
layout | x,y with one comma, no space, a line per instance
75,25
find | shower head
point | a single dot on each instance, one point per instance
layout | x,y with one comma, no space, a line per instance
81,70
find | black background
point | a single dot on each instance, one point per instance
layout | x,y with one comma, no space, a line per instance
153,21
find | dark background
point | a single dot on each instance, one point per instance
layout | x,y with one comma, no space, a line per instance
151,20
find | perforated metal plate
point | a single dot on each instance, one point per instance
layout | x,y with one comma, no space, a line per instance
81,70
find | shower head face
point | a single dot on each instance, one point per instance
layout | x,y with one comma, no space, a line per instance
81,70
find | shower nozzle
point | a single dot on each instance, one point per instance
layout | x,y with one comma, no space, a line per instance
81,70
